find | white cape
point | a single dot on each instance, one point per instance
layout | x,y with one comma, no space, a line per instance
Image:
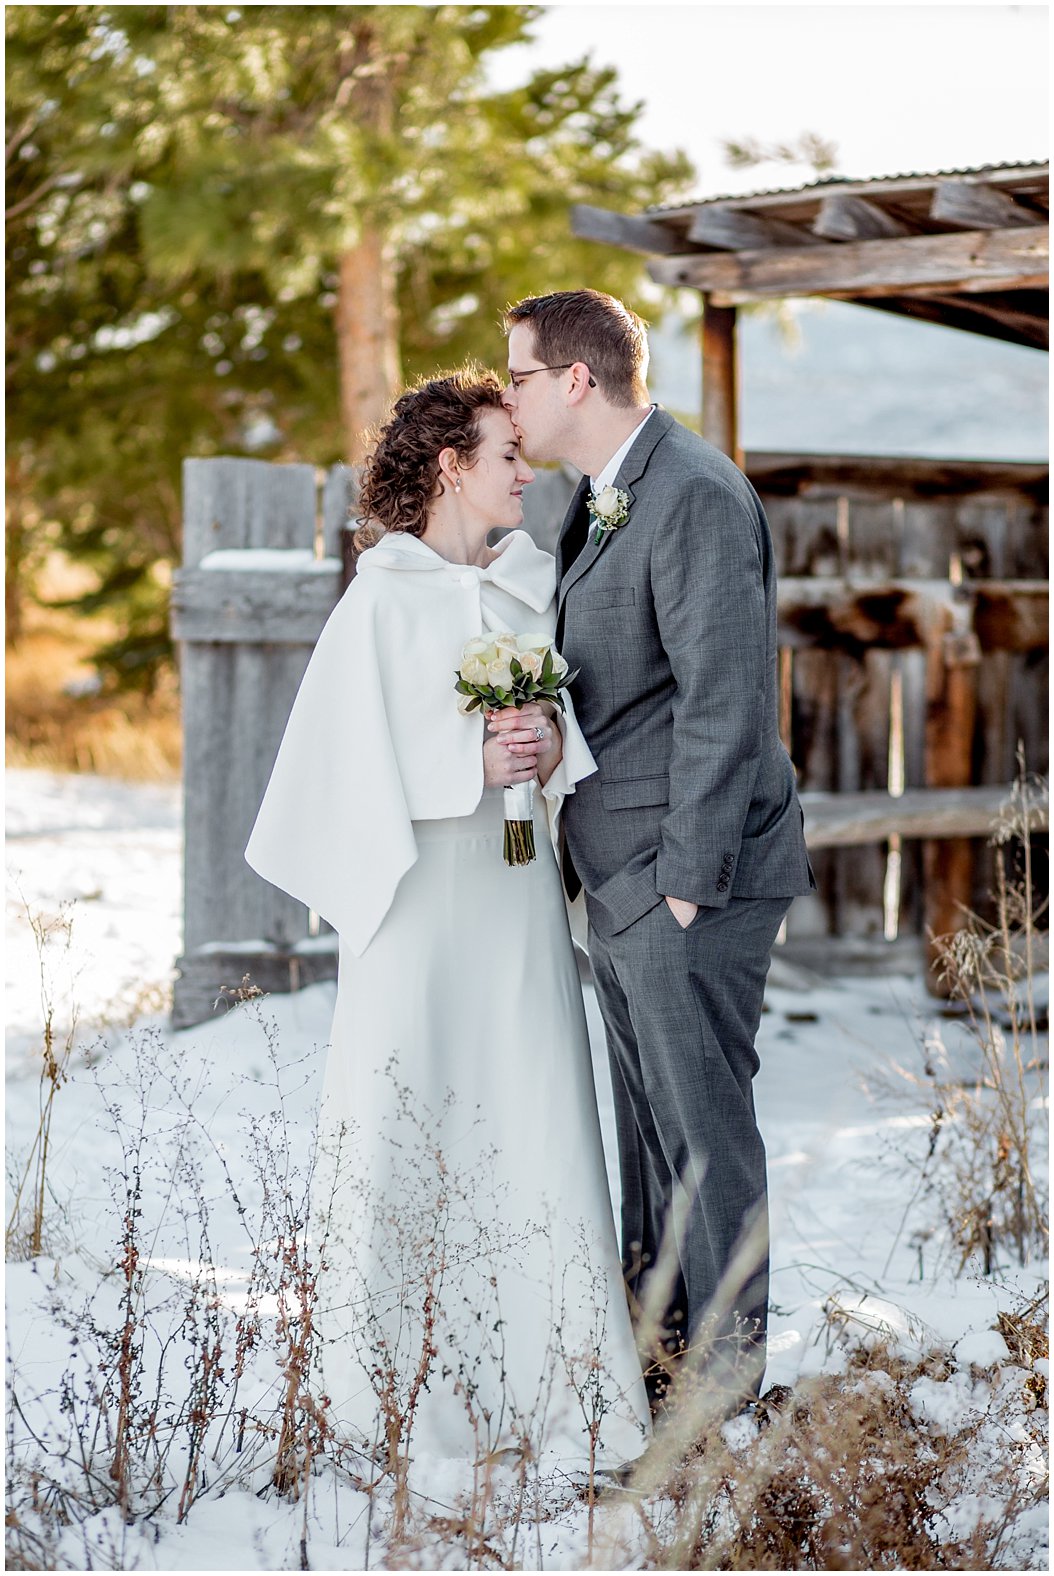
375,741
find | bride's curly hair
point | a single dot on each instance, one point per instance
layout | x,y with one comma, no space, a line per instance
401,477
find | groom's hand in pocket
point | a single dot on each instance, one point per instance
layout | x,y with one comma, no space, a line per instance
682,911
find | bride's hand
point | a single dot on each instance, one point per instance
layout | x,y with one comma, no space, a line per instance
526,734
525,730
502,766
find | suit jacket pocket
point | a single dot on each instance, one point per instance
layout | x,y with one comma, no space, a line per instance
632,793
594,597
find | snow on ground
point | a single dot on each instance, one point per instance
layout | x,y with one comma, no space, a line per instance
845,1253
107,854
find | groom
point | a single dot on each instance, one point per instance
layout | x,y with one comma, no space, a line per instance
688,840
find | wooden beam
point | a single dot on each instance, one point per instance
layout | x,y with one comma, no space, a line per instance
855,219
221,606
995,259
863,475
839,615
626,230
1034,178
720,423
210,978
738,231
1025,285
967,313
848,820
974,206
1018,309
1011,615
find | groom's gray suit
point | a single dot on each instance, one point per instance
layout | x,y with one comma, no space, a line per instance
671,621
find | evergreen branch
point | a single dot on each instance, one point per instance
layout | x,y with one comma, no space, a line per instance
34,196
28,125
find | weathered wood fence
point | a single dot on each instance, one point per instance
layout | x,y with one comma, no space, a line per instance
913,628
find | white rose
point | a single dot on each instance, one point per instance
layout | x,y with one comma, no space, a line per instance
606,502
499,674
559,666
531,662
533,642
474,671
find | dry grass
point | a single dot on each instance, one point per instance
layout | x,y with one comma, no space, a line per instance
985,1164
25,1234
52,726
843,1473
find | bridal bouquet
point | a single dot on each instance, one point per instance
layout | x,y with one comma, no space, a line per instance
509,670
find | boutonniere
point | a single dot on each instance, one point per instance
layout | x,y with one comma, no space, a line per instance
608,510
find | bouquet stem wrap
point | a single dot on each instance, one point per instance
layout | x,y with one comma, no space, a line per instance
518,844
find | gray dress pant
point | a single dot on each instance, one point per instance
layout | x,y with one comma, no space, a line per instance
682,1008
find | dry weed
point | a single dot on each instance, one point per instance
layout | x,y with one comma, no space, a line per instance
171,1393
53,939
985,1161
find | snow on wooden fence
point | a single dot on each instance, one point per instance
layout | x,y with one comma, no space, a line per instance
913,630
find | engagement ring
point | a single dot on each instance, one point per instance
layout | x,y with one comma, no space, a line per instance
539,733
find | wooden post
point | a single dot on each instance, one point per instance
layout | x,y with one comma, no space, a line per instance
721,379
952,660
245,637
340,496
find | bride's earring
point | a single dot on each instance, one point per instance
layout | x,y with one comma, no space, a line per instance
457,485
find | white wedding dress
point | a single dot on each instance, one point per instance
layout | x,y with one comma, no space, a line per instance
472,1301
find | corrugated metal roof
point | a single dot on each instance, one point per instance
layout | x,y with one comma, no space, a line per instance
1029,167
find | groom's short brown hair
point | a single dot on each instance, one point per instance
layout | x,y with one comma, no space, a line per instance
587,325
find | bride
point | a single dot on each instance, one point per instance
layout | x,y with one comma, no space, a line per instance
472,1301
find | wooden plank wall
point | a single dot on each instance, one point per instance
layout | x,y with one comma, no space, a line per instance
841,701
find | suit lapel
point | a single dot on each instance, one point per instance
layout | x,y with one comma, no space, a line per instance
574,508
587,557
630,471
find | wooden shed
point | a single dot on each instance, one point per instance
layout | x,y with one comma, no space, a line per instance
913,593
965,248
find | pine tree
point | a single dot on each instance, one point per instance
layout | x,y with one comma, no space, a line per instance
240,230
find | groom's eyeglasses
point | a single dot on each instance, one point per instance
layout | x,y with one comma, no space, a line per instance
516,378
